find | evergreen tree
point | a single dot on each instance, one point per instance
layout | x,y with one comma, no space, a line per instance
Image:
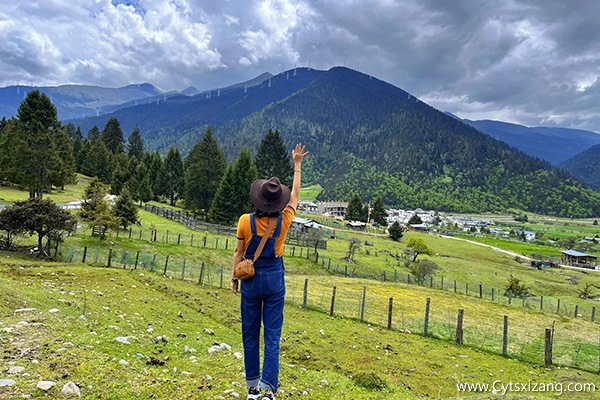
112,135
379,214
94,134
3,123
171,178
81,157
364,213
125,209
77,143
154,163
35,144
415,220
135,144
204,169
99,162
141,188
93,196
233,196
121,174
63,172
396,232
355,209
273,159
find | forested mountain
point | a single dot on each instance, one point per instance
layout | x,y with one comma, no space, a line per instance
368,137
554,145
586,166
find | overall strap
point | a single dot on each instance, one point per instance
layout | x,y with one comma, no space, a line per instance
264,238
253,224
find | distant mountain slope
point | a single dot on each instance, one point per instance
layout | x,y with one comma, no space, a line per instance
586,166
75,101
369,137
554,145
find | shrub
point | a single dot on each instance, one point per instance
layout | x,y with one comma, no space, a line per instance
369,380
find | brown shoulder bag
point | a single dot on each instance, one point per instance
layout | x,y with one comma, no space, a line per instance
245,268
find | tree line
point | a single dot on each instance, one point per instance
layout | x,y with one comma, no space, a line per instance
39,153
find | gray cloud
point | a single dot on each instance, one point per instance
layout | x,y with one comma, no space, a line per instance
523,61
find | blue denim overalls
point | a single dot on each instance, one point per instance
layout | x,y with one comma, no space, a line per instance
262,299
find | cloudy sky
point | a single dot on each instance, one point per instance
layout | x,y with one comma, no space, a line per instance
527,61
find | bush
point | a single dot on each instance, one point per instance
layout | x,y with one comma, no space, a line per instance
369,380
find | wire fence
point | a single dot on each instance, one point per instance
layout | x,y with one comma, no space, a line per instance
574,344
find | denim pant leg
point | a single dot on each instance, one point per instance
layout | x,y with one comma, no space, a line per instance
251,320
273,322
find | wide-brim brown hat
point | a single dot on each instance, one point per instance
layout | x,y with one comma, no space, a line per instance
269,195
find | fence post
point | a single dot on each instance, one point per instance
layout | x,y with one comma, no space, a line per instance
548,348
227,244
541,303
167,241
118,229
427,307
332,302
593,314
558,307
305,294
166,264
84,254
216,243
396,275
455,286
345,271
137,256
192,240
201,278
467,288
442,283
383,276
408,279
109,256
509,297
505,337
576,310
222,273
459,326
153,263
493,294
141,233
480,291
362,306
204,241
390,309
183,270
130,228
431,281
179,238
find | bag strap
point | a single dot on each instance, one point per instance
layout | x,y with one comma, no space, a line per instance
263,241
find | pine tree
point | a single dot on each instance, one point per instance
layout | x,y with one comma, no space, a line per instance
98,162
204,169
94,134
82,157
35,147
379,214
354,211
77,143
121,174
140,186
112,135
395,231
125,209
135,144
171,177
273,159
154,163
233,196
63,172
93,196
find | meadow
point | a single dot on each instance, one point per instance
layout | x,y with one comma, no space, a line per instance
350,354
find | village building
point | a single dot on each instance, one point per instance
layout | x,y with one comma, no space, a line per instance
579,259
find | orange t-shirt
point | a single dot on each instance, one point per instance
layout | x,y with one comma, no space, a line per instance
244,230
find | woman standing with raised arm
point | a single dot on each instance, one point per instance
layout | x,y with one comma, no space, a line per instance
263,295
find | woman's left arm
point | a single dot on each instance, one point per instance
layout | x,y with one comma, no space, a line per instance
238,256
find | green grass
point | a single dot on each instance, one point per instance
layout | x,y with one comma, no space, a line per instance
326,357
10,194
310,193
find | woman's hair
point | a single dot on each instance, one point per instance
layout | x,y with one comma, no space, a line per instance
259,213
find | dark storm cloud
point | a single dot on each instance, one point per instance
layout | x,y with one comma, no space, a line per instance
523,61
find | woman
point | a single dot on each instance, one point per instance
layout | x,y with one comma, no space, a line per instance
263,295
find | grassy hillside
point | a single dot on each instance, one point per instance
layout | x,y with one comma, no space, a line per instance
322,356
